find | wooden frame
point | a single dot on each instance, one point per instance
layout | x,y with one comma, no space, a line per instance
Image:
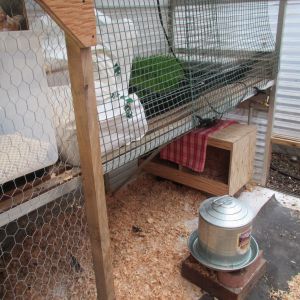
268,149
285,141
84,100
53,178
75,17
78,21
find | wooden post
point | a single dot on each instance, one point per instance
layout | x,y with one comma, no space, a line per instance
84,100
268,147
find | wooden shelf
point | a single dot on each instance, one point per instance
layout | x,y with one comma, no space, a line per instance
229,163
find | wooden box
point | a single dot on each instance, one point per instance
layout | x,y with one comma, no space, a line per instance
228,166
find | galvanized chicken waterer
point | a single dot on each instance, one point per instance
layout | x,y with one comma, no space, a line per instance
223,240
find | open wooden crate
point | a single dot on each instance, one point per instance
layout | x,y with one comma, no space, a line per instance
228,166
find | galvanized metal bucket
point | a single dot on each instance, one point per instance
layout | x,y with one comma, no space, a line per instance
224,232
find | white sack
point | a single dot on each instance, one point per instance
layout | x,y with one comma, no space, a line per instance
117,128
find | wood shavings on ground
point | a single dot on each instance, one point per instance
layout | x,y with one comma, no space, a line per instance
148,225
292,294
147,263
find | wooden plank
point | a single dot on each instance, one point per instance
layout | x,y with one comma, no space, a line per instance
241,163
285,141
36,190
258,102
195,181
240,141
268,148
40,200
75,17
23,183
85,109
230,135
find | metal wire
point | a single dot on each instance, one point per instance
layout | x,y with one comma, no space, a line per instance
44,245
175,61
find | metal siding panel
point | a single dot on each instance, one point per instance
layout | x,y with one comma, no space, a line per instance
122,175
287,101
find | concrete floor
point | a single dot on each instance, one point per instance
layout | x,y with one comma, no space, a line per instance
277,231
259,196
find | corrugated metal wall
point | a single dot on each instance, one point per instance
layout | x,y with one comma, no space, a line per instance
287,100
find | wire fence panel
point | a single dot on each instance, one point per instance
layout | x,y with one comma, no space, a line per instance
44,247
166,67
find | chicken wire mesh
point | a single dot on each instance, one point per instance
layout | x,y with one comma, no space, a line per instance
160,68
44,245
166,67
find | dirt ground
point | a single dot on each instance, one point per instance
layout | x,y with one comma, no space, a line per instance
284,174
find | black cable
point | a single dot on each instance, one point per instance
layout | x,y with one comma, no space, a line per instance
164,29
222,113
168,40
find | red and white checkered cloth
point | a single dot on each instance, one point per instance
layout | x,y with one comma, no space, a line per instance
190,150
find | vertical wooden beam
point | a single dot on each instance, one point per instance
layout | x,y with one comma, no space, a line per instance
268,147
84,100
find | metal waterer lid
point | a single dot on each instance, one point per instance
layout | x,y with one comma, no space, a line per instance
226,212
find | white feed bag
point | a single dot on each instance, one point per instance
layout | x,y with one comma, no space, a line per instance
122,121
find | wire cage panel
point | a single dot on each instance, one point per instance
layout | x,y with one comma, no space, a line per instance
25,130
45,251
179,62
